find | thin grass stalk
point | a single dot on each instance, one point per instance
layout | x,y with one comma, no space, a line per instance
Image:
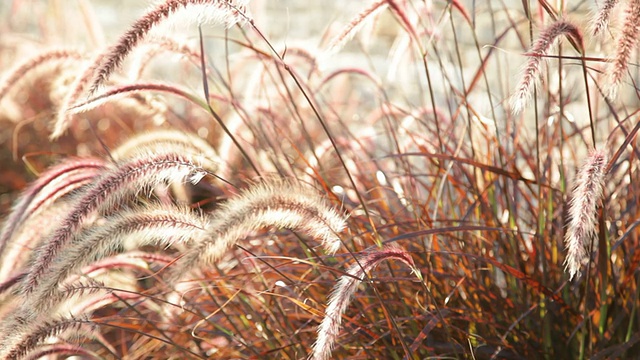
604,272
324,125
214,114
634,309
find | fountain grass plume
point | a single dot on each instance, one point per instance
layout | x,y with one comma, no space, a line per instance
143,172
158,139
51,185
121,232
625,44
60,350
340,298
278,203
102,66
587,194
352,28
19,71
17,347
221,11
29,236
540,48
181,142
600,21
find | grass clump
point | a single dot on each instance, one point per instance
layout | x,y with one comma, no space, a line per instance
383,182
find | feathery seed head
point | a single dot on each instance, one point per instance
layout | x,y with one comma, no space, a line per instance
125,231
340,298
625,43
274,203
142,172
351,29
582,211
540,48
13,76
54,183
227,11
600,22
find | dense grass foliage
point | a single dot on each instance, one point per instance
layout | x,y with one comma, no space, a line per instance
391,179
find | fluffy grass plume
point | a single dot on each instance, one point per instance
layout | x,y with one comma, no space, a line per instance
340,298
160,140
625,44
587,194
104,64
19,347
408,129
125,231
140,173
13,75
226,11
123,91
352,28
60,350
30,235
62,120
277,203
547,38
600,21
159,45
51,185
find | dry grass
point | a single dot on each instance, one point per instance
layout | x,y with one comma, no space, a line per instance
226,191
